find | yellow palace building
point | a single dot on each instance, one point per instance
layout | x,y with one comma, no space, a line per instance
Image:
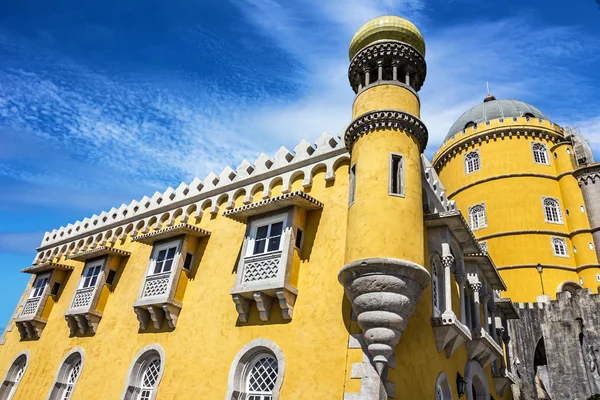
350,268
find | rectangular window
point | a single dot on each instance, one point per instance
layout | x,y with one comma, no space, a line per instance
352,194
299,238
540,153
90,275
396,175
268,238
55,289
39,285
163,257
187,264
110,278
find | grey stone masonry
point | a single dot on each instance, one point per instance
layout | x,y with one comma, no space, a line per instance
588,178
555,348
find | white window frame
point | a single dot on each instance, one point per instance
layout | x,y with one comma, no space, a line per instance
38,278
133,385
560,220
91,265
554,240
477,167
546,160
156,250
62,381
396,191
485,221
262,222
14,375
483,247
258,395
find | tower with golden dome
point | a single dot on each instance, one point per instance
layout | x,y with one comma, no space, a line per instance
349,268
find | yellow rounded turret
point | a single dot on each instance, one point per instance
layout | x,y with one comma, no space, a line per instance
387,28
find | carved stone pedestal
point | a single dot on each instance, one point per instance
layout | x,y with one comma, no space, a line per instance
384,293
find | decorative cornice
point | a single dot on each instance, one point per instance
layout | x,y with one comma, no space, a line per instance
180,229
386,119
98,252
537,232
297,198
549,266
47,266
493,178
367,58
477,135
588,175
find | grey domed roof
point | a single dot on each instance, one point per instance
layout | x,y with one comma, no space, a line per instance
493,109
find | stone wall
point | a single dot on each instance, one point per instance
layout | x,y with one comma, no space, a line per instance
570,329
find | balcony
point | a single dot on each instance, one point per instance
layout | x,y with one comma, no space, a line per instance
483,348
449,333
502,380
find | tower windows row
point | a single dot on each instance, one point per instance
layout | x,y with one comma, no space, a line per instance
472,159
396,178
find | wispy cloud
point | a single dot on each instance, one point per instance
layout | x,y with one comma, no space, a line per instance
19,242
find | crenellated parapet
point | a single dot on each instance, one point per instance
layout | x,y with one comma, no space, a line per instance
199,196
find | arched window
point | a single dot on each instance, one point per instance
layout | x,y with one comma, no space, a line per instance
13,376
470,124
442,388
559,246
472,162
67,376
552,211
477,217
540,153
257,372
261,377
477,385
145,374
436,286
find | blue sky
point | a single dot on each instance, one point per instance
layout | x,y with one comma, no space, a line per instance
105,102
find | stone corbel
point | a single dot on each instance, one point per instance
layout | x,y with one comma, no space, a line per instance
287,300
171,313
263,303
157,315
242,306
449,333
143,317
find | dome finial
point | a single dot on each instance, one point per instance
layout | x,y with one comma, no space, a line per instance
489,96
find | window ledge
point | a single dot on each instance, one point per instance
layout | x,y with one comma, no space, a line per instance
482,348
297,198
449,333
172,231
286,295
99,252
47,266
157,309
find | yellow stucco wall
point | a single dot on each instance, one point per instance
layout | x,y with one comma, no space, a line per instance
512,185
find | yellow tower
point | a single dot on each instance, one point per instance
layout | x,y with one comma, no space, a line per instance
384,275
510,171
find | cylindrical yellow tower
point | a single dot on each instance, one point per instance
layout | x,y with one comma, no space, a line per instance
510,171
383,275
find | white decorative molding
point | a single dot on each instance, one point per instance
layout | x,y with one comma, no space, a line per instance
198,196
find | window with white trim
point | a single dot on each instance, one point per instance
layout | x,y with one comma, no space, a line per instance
149,379
89,278
540,153
163,257
477,217
552,211
483,246
261,377
67,376
145,374
559,247
266,236
13,377
472,162
396,180
41,281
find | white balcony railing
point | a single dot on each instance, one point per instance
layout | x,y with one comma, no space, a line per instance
82,298
156,285
31,306
262,267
